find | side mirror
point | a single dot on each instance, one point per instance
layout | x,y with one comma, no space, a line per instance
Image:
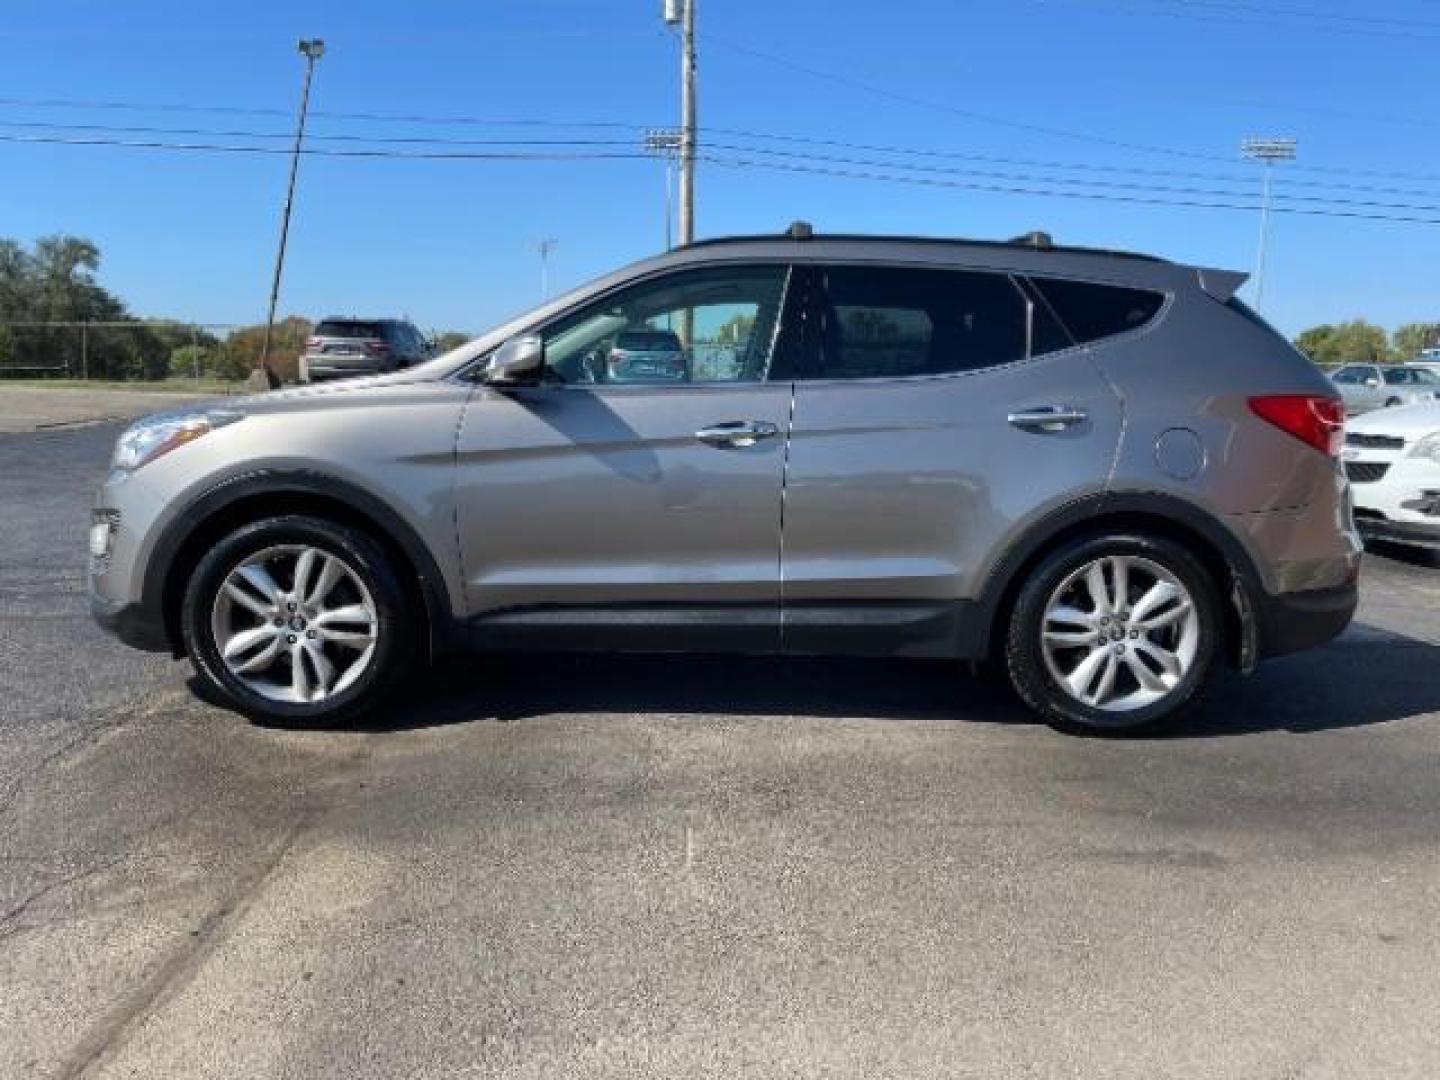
1372,382
518,360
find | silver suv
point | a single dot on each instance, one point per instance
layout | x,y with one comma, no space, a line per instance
1098,469
346,348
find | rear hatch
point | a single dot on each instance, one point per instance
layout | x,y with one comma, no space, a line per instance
348,343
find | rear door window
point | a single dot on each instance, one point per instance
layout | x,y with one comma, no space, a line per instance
894,322
1091,311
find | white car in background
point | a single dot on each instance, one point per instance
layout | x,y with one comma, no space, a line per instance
1385,386
1392,458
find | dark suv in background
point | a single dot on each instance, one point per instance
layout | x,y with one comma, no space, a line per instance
342,348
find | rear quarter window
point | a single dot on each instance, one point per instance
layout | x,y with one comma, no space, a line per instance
1092,312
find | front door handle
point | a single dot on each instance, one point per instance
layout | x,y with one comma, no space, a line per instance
737,433
1048,418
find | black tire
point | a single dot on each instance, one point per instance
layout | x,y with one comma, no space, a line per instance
1392,402
394,648
1031,676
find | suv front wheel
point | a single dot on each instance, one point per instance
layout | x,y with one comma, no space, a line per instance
1113,633
297,619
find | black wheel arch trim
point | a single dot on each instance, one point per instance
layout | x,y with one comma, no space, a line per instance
1244,590
195,514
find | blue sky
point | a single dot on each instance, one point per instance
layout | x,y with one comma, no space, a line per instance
1075,83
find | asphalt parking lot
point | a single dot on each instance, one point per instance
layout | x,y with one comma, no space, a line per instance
704,867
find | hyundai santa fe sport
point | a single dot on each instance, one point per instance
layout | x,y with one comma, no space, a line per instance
1099,470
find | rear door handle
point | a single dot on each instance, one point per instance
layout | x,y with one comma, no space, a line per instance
737,433
1048,418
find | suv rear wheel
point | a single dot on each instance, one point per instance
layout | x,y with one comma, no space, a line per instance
297,619
1113,633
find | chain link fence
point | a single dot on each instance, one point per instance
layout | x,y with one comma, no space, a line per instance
147,350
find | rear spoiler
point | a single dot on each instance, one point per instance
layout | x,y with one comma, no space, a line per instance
1221,284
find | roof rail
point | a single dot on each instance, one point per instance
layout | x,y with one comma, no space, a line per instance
1036,238
1036,241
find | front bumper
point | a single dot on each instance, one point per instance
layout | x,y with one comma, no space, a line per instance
1411,533
1402,504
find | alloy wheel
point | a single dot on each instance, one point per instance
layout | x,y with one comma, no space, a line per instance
295,624
1120,633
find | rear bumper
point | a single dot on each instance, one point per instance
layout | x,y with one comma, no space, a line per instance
1289,622
131,623
323,369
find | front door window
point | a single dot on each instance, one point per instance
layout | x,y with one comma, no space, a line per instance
701,326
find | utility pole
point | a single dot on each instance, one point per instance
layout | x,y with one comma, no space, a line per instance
545,247
683,12
312,49
1267,151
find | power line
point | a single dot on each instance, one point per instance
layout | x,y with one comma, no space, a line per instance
473,121
926,103
1135,170
429,140
1234,16
424,155
969,114
1008,189
374,117
1118,185
1037,187
436,140
1304,13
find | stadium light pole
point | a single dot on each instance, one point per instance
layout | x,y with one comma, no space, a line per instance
312,49
545,247
1267,151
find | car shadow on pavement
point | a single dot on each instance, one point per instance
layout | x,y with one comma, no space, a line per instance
1367,677
1404,553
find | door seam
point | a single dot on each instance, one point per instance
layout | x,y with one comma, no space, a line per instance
784,494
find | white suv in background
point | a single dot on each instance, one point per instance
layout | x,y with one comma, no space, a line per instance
1392,458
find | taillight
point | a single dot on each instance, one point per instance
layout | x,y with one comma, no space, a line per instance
1317,419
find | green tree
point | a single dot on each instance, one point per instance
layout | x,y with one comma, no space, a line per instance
1340,343
56,281
452,339
1408,340
190,360
17,282
735,330
1314,341
243,347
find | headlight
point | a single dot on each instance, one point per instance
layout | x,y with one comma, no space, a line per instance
1428,447
154,436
